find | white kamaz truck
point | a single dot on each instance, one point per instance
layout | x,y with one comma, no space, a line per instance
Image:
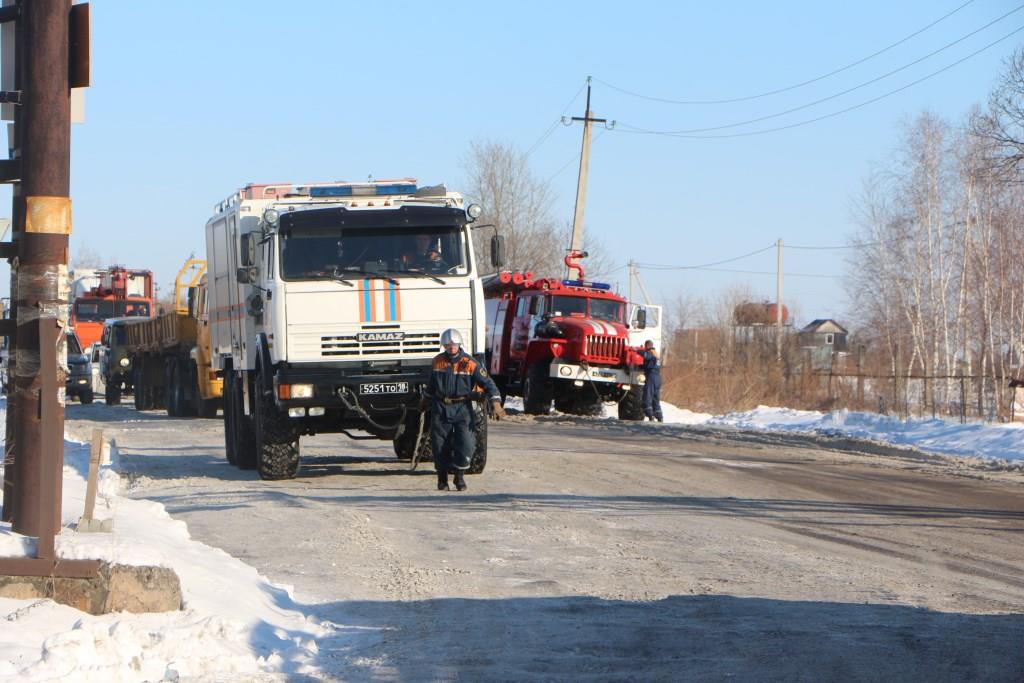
327,302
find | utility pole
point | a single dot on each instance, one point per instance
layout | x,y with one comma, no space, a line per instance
778,300
43,220
576,241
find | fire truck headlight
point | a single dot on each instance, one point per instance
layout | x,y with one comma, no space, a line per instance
474,211
124,362
565,371
270,216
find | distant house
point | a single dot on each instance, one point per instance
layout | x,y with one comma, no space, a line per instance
821,339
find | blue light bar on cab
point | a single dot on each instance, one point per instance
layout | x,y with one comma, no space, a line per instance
586,283
361,190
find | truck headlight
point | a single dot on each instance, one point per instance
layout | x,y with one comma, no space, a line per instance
565,371
287,391
124,362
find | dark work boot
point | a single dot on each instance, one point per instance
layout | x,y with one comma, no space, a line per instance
460,482
442,481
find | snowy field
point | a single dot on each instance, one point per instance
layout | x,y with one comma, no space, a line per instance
236,625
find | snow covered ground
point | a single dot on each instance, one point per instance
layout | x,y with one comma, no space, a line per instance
236,625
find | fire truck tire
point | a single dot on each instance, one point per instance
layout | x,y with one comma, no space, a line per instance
277,439
479,459
586,405
537,390
112,393
632,406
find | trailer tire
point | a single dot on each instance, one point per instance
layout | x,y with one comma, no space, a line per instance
277,438
139,394
631,407
479,460
171,388
537,390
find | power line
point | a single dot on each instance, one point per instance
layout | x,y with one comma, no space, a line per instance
848,90
640,131
551,129
878,243
575,158
749,272
657,266
796,85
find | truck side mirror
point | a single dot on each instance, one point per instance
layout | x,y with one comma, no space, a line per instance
248,249
498,251
641,318
246,275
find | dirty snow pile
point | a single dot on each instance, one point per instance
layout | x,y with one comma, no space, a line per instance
235,625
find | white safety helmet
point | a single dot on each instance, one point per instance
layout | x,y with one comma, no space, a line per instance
451,335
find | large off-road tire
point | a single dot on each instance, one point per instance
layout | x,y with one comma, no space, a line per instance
479,459
405,445
239,436
112,393
586,403
277,438
632,406
537,390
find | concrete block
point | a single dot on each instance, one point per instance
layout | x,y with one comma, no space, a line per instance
118,588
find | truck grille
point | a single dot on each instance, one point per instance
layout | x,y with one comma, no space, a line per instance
348,345
603,348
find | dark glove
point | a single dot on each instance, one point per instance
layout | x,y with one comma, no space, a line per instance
497,411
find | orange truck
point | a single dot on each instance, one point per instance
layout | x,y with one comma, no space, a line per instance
121,292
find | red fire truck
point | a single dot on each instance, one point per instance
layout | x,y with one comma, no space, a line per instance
565,341
120,293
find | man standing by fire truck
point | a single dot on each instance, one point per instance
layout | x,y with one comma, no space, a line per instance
453,377
652,385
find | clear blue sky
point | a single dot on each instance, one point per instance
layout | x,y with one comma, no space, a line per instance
190,100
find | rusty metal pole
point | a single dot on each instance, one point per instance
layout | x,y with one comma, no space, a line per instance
17,228
42,256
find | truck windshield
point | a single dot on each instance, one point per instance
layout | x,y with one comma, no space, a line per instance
568,305
314,253
606,309
74,348
98,310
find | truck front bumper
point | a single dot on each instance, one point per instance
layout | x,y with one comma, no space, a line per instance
583,373
340,387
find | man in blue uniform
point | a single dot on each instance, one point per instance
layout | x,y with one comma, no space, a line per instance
453,378
652,385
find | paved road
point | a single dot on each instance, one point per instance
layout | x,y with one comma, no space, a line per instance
597,550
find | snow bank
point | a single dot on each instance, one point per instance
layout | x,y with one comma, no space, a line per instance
996,442
234,624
